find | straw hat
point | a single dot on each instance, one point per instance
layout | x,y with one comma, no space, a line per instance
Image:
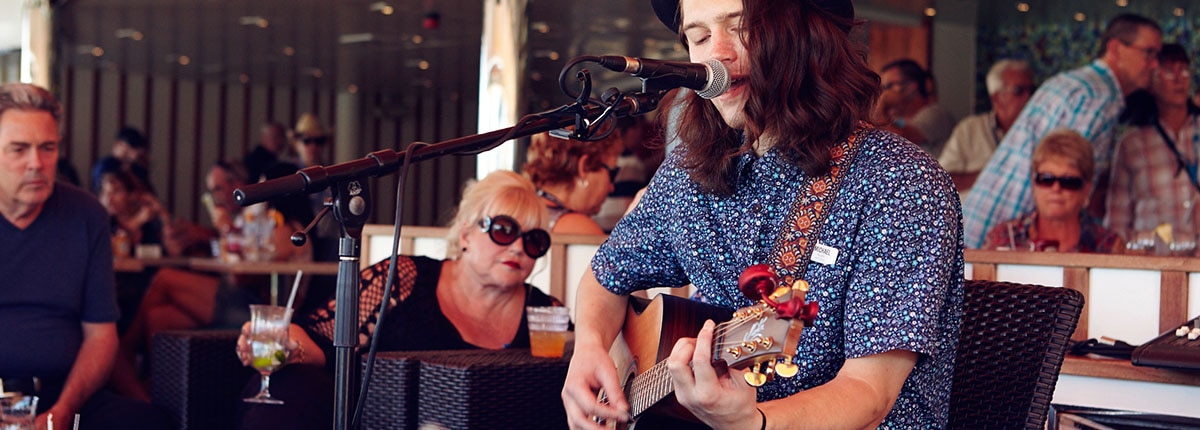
309,126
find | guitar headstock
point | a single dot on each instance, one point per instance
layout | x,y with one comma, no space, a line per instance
763,336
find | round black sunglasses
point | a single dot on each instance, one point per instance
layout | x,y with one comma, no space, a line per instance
504,230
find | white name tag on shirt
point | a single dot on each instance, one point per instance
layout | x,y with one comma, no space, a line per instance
825,254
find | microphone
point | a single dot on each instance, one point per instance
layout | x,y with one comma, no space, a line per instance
710,78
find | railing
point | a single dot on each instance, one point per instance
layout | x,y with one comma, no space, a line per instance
1132,298
1129,297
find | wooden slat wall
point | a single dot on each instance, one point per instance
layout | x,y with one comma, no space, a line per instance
192,124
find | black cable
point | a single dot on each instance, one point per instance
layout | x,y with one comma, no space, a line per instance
388,285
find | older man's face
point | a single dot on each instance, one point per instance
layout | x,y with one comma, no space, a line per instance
28,156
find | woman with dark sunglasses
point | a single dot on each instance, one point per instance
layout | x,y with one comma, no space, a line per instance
1062,168
573,178
475,299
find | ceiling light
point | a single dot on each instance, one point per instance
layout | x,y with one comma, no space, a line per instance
97,51
930,12
348,39
289,51
129,33
1022,7
1122,3
1177,11
313,71
254,20
382,7
1079,16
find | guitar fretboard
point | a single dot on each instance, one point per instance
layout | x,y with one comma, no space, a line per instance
649,388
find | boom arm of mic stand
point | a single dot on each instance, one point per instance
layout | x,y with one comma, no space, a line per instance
378,163
352,207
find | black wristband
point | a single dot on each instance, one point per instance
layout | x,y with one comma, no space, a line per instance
764,417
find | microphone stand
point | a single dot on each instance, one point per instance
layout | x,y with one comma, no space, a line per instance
351,204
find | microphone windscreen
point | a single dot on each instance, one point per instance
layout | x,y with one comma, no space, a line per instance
718,81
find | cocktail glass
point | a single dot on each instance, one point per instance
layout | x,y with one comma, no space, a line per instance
268,334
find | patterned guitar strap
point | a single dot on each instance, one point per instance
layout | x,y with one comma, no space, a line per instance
800,231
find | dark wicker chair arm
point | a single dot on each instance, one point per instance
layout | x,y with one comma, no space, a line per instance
197,377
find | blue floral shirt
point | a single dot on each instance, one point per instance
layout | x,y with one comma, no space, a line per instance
896,282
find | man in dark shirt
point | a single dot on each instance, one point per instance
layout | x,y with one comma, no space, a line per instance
58,304
272,145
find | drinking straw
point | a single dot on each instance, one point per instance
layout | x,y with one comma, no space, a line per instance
50,420
295,286
76,425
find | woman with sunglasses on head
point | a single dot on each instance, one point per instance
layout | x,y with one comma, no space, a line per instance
475,299
1154,175
573,178
1062,168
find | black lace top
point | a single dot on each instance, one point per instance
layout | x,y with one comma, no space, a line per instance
414,321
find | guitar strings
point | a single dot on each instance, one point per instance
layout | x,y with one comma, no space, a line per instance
724,328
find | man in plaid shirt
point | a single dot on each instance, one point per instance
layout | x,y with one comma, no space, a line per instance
1087,100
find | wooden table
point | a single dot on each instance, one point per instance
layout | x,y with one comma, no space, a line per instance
1122,369
273,268
138,265
1116,384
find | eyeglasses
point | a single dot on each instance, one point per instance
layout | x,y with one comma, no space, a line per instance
612,173
1019,90
314,140
504,230
1069,183
1173,75
1151,53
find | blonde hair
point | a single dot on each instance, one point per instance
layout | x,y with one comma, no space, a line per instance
502,192
1067,145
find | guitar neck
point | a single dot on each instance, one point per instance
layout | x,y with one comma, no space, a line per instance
652,386
649,388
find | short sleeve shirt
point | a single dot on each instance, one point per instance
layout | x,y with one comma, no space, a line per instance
896,282
54,274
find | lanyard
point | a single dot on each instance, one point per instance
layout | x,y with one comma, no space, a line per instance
1189,168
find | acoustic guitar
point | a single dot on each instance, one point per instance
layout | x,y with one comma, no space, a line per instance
761,337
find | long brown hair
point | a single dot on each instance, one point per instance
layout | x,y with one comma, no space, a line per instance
809,87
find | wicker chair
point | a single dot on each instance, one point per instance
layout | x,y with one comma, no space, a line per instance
1009,353
196,376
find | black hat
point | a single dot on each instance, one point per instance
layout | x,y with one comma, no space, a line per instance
668,10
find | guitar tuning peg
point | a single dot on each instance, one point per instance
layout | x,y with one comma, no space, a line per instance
749,346
808,312
786,368
755,379
734,351
757,280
